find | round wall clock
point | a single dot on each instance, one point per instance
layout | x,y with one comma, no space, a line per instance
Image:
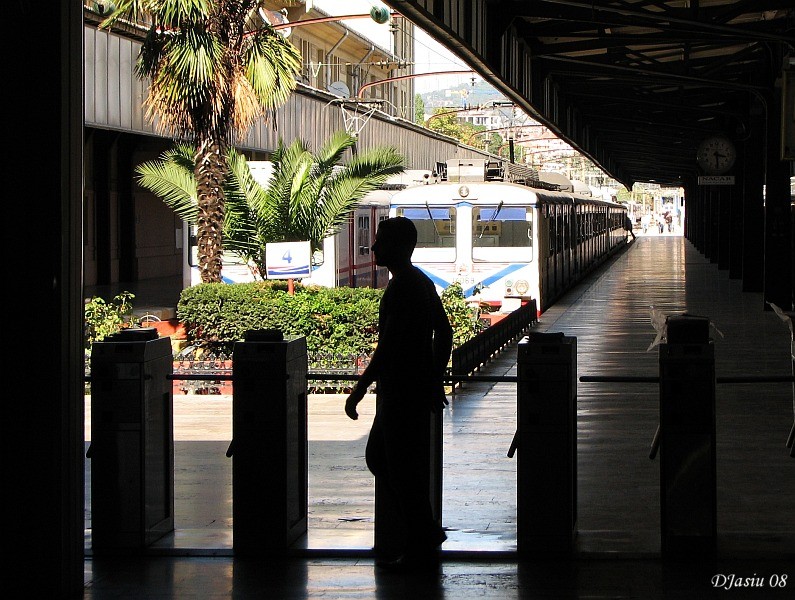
716,155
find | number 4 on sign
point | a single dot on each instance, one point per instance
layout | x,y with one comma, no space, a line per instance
287,257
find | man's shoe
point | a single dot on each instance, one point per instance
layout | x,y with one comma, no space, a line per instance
411,563
439,539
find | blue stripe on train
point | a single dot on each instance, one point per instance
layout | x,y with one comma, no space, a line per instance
494,277
487,281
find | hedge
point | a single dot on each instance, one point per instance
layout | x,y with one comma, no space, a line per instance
334,320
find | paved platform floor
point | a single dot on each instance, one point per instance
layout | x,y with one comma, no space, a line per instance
618,544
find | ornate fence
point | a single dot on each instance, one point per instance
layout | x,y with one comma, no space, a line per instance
473,354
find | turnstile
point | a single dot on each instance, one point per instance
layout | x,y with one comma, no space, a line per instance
132,442
546,440
269,443
688,481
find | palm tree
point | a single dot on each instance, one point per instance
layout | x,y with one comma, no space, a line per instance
215,68
309,196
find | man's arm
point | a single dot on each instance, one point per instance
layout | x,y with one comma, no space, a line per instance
368,376
374,367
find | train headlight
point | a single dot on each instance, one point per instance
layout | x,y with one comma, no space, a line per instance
521,287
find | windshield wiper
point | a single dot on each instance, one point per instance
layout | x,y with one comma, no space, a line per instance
491,219
430,215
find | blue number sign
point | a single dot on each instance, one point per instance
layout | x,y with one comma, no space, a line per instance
287,260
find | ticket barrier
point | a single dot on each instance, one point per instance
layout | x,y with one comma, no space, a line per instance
132,442
546,440
791,437
269,442
688,482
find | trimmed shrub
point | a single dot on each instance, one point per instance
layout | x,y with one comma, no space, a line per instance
334,320
463,318
340,320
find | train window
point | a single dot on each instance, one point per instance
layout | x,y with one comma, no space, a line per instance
502,226
435,226
363,235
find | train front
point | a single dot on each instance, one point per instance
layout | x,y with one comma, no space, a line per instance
476,232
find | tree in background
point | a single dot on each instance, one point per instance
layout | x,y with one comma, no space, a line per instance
215,67
492,142
447,123
309,195
419,109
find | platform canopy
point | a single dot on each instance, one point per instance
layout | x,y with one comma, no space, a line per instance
636,85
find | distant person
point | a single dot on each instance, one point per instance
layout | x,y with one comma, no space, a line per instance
408,366
645,222
669,222
628,226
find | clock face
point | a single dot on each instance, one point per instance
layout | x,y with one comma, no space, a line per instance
716,155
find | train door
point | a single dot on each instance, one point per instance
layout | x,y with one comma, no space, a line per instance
560,249
567,245
602,229
345,254
362,274
577,239
589,227
563,222
380,274
562,262
542,245
549,212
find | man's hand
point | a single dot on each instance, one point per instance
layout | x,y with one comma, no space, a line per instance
439,400
353,399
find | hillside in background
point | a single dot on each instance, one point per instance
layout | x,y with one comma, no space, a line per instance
463,94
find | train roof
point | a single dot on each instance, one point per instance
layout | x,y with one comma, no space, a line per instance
483,192
394,184
563,183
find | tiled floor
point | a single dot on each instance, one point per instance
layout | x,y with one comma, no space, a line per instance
618,545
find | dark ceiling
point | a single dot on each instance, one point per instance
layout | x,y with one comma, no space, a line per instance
634,84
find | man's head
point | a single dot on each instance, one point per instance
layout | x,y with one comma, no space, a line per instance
394,242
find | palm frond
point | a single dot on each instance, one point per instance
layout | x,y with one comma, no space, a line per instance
171,178
330,155
311,195
271,65
240,227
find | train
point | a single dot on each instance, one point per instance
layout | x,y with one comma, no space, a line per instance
493,226
504,235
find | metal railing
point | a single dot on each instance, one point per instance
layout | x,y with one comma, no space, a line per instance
655,444
474,353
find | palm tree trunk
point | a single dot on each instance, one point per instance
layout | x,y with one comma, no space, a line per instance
210,174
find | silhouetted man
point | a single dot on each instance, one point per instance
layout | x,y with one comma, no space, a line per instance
408,365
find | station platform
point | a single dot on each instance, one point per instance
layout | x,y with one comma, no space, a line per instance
617,554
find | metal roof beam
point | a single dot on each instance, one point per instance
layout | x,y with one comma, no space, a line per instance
589,12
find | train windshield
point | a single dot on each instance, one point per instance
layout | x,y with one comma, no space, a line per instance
435,225
501,226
